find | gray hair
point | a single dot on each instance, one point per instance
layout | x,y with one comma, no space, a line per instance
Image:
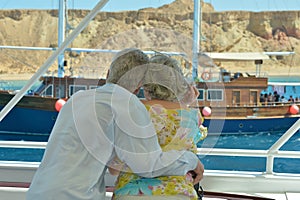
124,61
176,86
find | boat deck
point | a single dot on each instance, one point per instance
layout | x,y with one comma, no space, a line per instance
13,192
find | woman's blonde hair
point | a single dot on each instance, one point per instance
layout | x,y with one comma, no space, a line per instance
164,92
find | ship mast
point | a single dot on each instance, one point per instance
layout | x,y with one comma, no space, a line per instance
196,36
61,35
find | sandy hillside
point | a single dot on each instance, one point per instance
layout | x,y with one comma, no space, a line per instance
168,28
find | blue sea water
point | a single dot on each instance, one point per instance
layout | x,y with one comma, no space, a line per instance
258,141
15,84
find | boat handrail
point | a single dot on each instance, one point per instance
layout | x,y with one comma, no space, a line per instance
88,50
23,144
269,154
247,153
201,151
279,143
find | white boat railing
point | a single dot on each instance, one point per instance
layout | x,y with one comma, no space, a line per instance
214,180
269,154
274,149
23,144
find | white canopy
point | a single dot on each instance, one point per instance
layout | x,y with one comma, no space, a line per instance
237,56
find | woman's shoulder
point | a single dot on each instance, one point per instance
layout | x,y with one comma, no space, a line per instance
163,104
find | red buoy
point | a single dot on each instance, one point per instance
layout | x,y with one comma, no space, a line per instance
294,109
206,111
59,104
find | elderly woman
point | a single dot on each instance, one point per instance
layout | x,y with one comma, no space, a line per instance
178,126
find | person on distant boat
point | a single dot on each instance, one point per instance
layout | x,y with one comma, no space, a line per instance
283,99
270,99
261,98
178,125
291,99
266,99
276,97
93,127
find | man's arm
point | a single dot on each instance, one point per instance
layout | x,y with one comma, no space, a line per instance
137,145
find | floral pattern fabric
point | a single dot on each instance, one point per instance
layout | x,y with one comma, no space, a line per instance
177,129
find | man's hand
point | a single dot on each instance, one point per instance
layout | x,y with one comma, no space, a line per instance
198,173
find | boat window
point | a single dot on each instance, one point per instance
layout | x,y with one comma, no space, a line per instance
201,94
253,98
76,88
40,88
236,97
48,91
214,95
60,91
93,86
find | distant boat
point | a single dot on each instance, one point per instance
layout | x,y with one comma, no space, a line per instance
235,99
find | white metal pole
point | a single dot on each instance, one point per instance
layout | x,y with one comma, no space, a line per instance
51,59
285,137
196,27
61,36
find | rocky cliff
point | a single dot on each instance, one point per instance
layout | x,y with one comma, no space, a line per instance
168,28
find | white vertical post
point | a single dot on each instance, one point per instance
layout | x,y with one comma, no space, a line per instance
61,36
196,31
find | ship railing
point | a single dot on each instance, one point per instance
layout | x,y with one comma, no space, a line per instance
270,154
262,74
214,180
23,144
259,104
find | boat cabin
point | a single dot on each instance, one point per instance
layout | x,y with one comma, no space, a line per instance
240,91
224,89
65,87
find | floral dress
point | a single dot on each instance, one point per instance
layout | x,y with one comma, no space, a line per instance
177,129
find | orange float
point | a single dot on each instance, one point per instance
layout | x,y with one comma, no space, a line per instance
294,109
59,104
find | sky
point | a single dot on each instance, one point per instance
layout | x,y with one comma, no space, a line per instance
120,5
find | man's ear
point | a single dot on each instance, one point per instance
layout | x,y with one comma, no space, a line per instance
107,74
